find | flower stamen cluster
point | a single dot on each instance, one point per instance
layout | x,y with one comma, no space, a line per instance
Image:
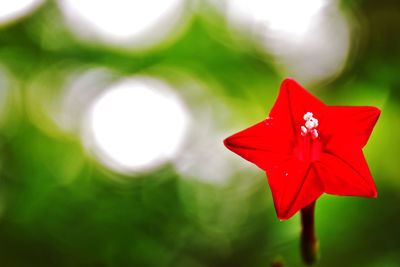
310,125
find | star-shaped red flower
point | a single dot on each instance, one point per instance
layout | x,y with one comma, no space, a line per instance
308,148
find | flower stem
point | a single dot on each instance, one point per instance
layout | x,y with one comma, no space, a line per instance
308,242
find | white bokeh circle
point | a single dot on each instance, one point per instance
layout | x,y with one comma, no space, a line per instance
135,125
14,9
124,23
309,40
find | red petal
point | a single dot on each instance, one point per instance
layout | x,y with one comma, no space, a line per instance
294,185
344,171
292,103
350,123
260,144
342,165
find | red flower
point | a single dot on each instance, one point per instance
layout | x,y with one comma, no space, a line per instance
308,148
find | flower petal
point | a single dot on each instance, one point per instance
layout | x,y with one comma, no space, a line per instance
294,185
292,103
342,165
345,172
350,123
260,144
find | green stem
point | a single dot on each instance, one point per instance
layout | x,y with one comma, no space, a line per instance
308,242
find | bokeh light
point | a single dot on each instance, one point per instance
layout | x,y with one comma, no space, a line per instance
137,124
286,16
123,22
11,10
309,40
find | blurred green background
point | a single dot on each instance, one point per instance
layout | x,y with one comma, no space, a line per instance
69,198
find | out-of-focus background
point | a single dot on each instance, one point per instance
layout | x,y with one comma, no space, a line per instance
112,116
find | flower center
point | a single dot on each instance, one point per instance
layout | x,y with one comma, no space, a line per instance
310,126
309,144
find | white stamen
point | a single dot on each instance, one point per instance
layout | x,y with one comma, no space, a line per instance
310,125
315,121
314,134
307,116
303,130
